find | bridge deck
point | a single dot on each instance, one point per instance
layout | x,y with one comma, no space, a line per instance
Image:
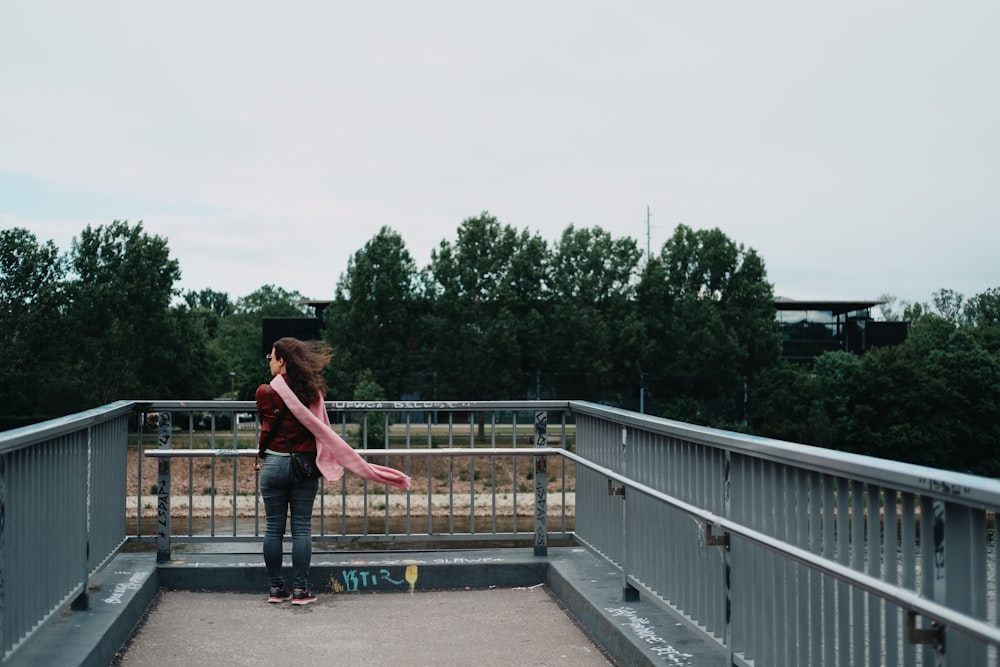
206,605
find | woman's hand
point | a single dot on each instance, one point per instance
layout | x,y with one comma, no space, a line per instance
256,464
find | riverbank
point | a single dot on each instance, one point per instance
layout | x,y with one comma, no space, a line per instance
358,505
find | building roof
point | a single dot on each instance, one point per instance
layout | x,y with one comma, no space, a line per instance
836,307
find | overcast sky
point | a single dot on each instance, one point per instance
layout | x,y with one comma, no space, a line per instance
854,145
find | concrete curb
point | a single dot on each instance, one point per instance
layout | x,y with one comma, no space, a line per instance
636,632
120,594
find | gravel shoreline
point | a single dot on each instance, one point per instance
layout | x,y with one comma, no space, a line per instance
353,505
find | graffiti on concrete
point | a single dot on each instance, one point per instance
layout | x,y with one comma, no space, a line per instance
647,633
133,583
353,581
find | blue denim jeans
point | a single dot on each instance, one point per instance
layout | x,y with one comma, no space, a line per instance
281,493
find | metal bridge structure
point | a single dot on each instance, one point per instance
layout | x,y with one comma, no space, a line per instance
773,553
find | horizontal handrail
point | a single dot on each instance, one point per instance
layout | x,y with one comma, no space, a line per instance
26,436
358,406
956,487
439,451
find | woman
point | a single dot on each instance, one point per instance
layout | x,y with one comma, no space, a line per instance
293,418
301,364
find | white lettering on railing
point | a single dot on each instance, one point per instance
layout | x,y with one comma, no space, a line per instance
942,486
398,405
644,631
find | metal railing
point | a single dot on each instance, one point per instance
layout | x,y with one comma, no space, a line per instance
468,438
780,553
791,555
61,518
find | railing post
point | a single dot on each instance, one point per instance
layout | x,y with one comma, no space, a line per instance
629,592
541,486
82,601
164,433
727,489
3,553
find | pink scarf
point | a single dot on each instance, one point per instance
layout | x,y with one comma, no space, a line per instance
333,454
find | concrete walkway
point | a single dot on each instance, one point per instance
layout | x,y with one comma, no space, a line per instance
207,605
499,627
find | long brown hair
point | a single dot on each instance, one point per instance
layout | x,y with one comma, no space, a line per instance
304,364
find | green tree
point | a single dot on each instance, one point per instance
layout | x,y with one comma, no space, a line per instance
209,300
949,305
982,313
367,389
118,309
887,308
32,297
593,326
709,319
526,294
473,332
971,376
205,313
836,377
372,322
238,341
706,366
898,310
272,301
195,367
983,310
785,406
931,400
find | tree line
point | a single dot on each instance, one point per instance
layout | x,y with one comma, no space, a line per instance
501,314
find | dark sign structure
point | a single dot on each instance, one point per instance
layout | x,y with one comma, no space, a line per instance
303,328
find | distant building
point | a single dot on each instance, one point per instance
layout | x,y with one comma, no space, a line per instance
810,328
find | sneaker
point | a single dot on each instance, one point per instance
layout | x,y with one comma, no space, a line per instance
302,596
279,594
